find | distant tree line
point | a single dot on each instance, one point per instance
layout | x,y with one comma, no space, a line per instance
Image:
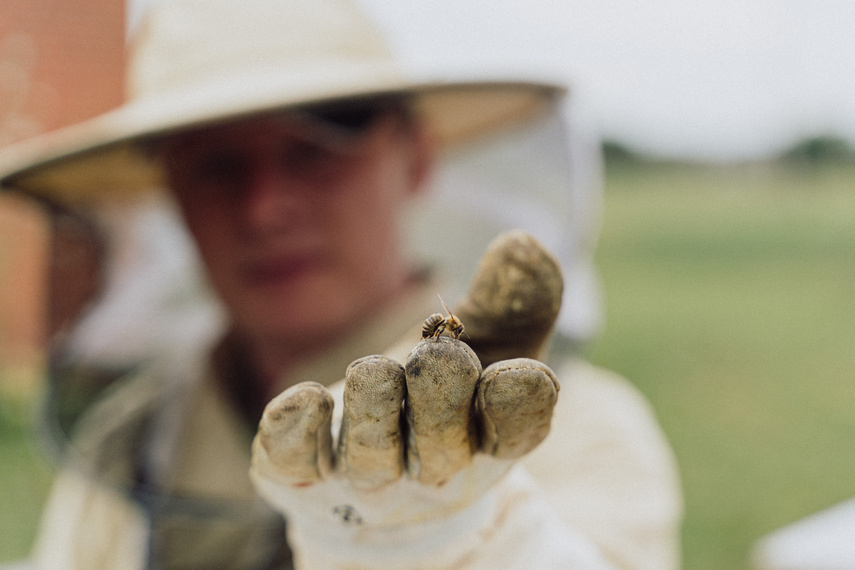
618,154
813,151
820,150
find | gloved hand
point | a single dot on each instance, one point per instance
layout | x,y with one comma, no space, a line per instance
419,475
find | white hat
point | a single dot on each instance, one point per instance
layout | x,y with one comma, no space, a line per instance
196,62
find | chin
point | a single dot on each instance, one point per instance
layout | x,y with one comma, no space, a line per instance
299,319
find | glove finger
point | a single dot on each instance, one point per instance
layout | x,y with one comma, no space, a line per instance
514,406
293,445
513,299
371,450
441,378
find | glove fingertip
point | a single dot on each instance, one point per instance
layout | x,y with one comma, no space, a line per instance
370,447
442,375
515,402
294,434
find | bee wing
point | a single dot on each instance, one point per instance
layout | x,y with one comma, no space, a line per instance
444,306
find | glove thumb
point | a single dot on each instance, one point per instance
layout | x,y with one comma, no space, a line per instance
513,299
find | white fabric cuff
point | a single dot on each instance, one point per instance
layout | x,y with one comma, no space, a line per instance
511,526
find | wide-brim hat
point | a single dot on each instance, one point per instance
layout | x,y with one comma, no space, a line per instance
198,62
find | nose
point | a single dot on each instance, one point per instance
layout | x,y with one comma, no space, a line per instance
271,200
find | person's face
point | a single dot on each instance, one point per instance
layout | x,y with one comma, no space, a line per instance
298,230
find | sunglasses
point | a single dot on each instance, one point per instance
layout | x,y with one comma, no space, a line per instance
358,115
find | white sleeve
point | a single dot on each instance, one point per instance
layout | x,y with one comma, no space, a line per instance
608,471
87,526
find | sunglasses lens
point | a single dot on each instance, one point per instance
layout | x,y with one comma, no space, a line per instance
356,115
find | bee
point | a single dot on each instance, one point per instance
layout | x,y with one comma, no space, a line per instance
436,324
433,326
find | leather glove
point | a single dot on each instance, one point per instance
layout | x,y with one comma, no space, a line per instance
418,476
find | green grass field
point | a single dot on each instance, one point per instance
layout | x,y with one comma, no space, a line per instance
25,473
730,303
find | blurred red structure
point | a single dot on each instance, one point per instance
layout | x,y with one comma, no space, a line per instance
61,62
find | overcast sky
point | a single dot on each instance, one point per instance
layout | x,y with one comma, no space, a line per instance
717,79
714,79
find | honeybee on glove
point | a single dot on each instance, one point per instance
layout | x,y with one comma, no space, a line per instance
436,324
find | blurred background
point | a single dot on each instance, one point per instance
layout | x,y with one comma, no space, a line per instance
727,247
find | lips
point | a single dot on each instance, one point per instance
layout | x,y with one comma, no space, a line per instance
281,269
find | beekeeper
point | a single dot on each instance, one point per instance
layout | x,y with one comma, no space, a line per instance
320,186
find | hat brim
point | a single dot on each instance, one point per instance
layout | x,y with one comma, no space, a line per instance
106,156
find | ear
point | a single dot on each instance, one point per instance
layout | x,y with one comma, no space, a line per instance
422,157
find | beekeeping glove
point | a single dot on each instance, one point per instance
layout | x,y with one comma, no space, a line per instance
419,474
